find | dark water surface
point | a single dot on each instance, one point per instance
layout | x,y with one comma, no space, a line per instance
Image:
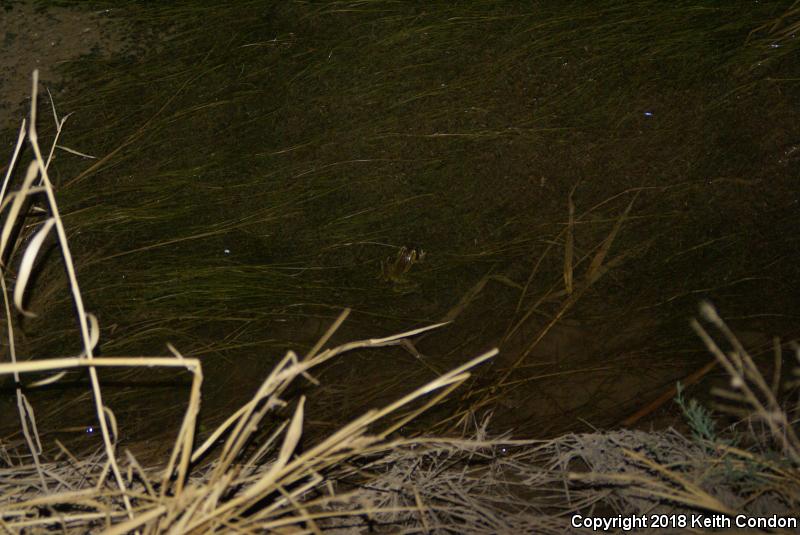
268,164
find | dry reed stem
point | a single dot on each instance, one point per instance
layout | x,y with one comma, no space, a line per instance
89,327
88,339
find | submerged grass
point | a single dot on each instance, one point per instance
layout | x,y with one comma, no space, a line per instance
255,474
252,174
365,182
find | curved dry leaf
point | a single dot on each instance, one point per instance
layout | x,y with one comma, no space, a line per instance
94,334
94,329
26,266
111,419
50,380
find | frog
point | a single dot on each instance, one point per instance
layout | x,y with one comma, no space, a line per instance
395,269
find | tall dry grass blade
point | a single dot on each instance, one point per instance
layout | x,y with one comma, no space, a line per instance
76,464
183,516
373,342
76,293
293,434
12,165
184,442
31,417
218,432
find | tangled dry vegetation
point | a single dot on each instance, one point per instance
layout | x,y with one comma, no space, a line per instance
244,479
